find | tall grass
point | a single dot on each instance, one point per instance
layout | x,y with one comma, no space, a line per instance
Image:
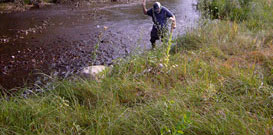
230,9
218,81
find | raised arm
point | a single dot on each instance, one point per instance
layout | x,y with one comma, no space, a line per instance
144,7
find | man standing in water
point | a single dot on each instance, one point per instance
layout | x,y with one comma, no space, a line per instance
160,16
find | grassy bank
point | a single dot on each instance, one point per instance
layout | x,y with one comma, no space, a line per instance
217,80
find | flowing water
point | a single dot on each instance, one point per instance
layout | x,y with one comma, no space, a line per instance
60,40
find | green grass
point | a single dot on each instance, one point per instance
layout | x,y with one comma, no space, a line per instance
217,80
230,9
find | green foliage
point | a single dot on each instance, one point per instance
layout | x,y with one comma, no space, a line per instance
27,2
180,127
257,13
229,9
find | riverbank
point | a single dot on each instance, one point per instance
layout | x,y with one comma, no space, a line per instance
24,5
217,80
6,8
